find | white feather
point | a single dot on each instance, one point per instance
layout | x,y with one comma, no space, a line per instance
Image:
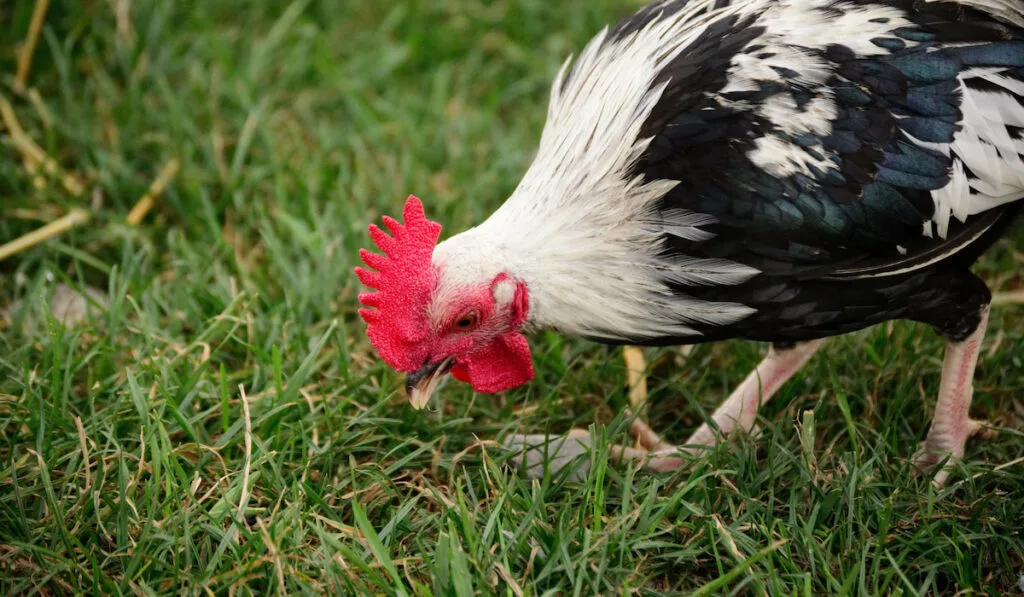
811,24
781,157
983,145
683,223
578,230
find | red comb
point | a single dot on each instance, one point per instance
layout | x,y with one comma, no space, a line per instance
404,280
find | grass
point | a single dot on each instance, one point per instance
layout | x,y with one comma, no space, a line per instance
224,427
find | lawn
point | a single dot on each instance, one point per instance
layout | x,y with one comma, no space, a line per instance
222,426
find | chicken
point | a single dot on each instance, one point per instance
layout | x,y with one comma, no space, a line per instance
774,170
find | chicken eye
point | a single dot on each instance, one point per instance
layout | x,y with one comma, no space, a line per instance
467,321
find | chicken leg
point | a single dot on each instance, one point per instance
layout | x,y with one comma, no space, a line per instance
740,408
951,425
738,411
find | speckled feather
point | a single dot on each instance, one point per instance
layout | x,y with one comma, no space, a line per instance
831,209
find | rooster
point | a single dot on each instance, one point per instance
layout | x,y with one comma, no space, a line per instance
781,171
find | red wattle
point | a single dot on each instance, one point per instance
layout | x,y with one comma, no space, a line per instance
504,364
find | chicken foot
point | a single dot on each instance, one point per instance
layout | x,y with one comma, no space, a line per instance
951,425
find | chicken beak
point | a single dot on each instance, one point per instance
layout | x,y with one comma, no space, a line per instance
421,385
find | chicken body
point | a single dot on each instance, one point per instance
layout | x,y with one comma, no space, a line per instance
780,171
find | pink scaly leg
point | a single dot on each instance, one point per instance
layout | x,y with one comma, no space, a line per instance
740,409
951,425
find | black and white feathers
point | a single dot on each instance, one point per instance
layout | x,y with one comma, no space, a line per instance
771,169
